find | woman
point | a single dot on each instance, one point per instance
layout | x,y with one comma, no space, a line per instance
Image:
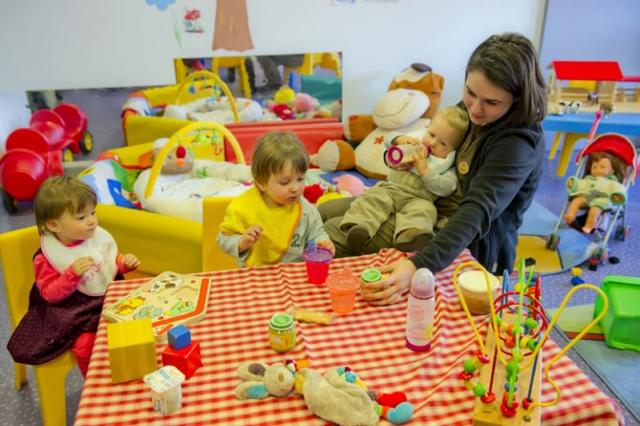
498,165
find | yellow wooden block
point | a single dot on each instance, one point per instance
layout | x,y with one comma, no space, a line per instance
132,350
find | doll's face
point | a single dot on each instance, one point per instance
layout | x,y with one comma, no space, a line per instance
601,168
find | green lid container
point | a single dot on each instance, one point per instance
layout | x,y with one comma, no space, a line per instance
281,322
370,275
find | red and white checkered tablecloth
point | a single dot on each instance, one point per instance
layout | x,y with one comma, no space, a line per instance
370,341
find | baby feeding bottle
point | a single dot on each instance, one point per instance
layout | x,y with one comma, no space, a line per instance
399,154
420,310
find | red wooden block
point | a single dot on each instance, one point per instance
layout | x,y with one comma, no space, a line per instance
187,359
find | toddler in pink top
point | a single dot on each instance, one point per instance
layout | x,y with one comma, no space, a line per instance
76,261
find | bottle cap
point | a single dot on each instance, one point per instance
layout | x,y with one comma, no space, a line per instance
423,284
370,275
281,321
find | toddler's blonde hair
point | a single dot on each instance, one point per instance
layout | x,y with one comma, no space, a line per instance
458,119
60,194
274,152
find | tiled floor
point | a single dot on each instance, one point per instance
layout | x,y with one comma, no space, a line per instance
103,109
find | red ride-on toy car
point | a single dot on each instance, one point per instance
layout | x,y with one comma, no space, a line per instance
36,152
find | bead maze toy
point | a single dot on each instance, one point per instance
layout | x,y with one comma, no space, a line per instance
168,300
517,331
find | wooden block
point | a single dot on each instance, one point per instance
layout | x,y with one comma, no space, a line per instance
187,359
490,414
132,350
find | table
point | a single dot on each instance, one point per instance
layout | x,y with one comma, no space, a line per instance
371,341
574,127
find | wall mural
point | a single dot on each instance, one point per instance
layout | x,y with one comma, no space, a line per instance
231,30
163,5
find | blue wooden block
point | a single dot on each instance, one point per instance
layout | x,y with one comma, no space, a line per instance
179,337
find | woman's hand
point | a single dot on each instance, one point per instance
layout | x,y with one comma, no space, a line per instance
391,289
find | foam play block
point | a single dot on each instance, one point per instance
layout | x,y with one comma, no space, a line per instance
179,337
132,350
187,359
622,320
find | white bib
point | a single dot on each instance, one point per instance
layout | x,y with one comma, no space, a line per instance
101,247
441,165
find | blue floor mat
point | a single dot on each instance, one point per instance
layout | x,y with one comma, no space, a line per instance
617,368
573,249
367,181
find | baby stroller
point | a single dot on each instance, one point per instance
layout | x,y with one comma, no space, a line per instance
612,221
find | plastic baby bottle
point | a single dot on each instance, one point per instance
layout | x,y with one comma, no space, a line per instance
398,154
420,310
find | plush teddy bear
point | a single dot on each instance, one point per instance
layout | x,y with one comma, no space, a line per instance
261,380
334,155
339,396
412,99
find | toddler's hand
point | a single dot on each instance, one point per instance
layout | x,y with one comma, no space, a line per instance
328,244
82,265
420,160
405,140
130,261
249,238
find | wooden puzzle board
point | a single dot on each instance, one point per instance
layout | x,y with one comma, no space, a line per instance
168,300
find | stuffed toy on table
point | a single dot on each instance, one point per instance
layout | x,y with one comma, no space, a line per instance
339,396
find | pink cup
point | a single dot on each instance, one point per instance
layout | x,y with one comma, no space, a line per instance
317,261
343,287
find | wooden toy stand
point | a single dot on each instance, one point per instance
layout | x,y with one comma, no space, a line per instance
516,323
168,300
490,414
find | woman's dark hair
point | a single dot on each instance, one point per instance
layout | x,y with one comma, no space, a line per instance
509,61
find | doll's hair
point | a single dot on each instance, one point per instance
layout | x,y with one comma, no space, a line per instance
274,152
60,194
509,61
619,167
458,119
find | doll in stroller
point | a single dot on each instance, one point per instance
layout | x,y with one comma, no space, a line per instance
607,167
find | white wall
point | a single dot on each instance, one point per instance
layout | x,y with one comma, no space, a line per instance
65,44
14,113
610,32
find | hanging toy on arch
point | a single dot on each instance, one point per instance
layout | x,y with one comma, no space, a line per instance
505,373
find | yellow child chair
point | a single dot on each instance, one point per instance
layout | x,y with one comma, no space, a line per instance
213,258
16,250
237,62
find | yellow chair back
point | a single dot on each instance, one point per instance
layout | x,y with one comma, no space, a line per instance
213,258
237,62
16,251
